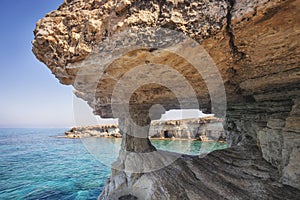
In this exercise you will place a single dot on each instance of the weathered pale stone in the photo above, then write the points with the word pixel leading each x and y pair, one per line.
pixel 235 173
pixel 291 172
pixel 271 143
pixel 276 123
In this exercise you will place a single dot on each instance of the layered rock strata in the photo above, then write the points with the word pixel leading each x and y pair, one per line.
pixel 236 173
pixel 254 45
pixel 210 127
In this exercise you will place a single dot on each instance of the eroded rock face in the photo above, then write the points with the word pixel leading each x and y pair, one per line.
pixel 254 45
pixel 236 173
pixel 210 127
pixel 69 34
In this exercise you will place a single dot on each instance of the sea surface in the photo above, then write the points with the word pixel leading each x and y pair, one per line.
pixel 35 164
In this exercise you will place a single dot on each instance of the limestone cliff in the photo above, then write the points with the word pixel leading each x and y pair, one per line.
pixel 255 47
pixel 210 127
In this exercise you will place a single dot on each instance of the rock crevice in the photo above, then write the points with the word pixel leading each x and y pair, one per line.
pixel 229 30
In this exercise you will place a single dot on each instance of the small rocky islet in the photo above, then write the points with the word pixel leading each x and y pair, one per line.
pixel 109 130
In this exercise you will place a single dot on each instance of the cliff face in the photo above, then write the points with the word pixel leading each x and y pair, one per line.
pixel 253 45
pixel 209 127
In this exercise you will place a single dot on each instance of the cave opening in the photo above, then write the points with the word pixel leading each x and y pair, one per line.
pixel 166 134
pixel 188 131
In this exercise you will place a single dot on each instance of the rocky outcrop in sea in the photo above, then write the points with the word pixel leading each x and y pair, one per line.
pixel 94 131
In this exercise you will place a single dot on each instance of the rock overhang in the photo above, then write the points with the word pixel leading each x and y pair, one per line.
pixel 254 45
pixel 66 37
pixel 174 75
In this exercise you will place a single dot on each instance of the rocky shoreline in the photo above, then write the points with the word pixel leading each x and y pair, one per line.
pixel 204 129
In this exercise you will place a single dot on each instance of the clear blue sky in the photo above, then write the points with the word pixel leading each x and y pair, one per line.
pixel 30 94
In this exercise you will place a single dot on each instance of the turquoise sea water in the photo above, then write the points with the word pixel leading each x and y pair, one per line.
pixel 34 165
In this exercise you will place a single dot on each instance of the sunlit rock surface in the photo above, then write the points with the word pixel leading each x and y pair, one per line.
pixel 109 130
pixel 255 46
pixel 210 127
